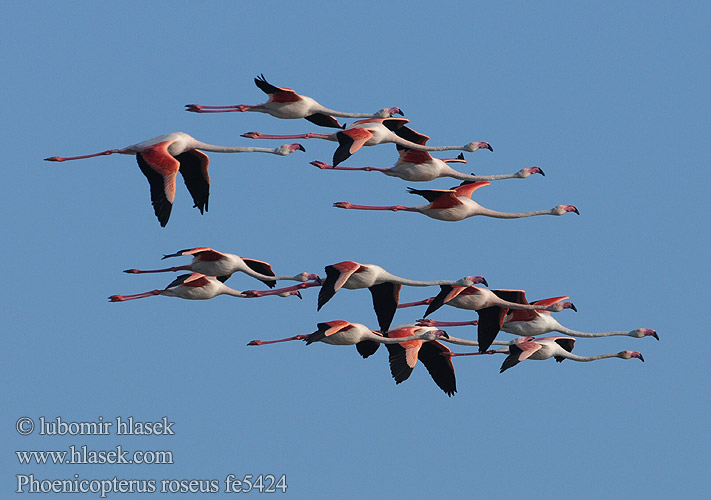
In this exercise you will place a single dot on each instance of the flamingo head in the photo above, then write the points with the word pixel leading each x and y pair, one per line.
pixel 630 355
pixel 564 209
pixel 287 149
pixel 473 146
pixel 388 112
pixel 559 306
pixel 527 172
pixel 644 332
pixel 434 334
pixel 473 280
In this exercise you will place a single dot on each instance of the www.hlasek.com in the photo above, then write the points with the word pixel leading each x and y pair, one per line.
pixel 263 483
pixel 83 456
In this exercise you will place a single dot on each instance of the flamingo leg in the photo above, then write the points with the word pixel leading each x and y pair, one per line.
pixel 66 158
pixel 122 298
pixel 394 208
pixel 418 303
pixel 168 269
pixel 262 342
pixel 280 291
pixel 326 166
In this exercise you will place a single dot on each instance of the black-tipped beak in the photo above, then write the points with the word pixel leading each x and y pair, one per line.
pixel 572 306
pixel 302 148
pixel 483 280
pixel 655 335
pixel 399 112
pixel 577 211
pixel 490 148
pixel 298 294
pixel 641 358
pixel 540 170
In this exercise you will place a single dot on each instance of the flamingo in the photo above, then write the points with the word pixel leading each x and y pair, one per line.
pixel 367 341
pixel 455 204
pixel 433 354
pixel 491 305
pixel 559 348
pixel 530 323
pixel 369 132
pixel 419 166
pixel 162 157
pixel 383 286
pixel 213 263
pixel 287 104
pixel 192 286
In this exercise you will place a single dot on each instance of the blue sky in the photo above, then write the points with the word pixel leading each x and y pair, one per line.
pixel 610 99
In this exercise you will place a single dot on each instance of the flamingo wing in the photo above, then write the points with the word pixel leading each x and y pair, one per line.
pixel 335 278
pixel 566 343
pixel 403 357
pixel 438 198
pixel 276 94
pixel 160 168
pixel 326 329
pixel 350 141
pixel 467 188
pixel 519 352
pixel 192 280
pixel 385 300
pixel 549 302
pixel 439 365
pixel 323 120
pixel 200 253
pixel 367 348
pixel 490 321
pixel 193 167
pixel 447 293
pixel 392 123
pixel 410 135
pixel 261 267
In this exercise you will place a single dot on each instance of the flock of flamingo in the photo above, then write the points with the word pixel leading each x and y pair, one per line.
pixel 161 158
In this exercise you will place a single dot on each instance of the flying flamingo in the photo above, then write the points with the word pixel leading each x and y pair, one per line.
pixel 434 355
pixel 369 133
pixel 213 263
pixel 419 166
pixel 559 348
pixel 491 305
pixel 366 340
pixel 539 326
pixel 456 204
pixel 383 286
pixel 285 103
pixel 193 286
pixel 161 158
pixel 530 323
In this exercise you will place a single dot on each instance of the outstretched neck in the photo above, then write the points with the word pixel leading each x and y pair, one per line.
pixel 584 359
pixel 233 149
pixel 575 333
pixel 512 215
pixel 234 293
